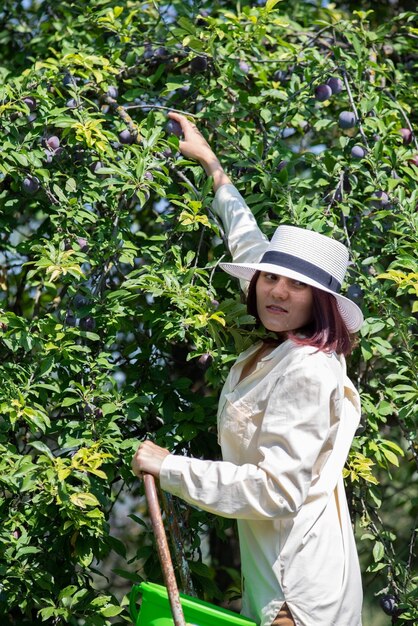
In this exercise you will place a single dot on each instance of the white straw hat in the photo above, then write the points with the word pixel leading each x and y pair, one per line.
pixel 305 255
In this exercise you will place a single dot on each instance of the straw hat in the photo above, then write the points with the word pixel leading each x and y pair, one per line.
pixel 307 256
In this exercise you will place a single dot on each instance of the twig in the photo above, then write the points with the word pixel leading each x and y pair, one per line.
pixel 182 177
pixel 411 547
pixel 199 246
pixel 353 106
pixel 318 34
pixel 340 188
pixel 120 110
pixel 51 196
pixel 158 106
pixel 410 441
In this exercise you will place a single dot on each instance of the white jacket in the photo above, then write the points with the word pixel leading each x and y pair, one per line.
pixel 285 432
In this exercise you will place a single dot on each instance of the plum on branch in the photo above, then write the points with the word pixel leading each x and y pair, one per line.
pixel 347 119
pixel 125 137
pixel 30 103
pixel 380 199
pixel 112 92
pixel 30 184
pixel 323 92
pixel 198 64
pixel 53 142
pixel 406 135
pixel 388 604
pixel 358 152
pixel 335 84
pixel 173 128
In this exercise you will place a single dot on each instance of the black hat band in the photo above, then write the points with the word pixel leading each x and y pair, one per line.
pixel 302 267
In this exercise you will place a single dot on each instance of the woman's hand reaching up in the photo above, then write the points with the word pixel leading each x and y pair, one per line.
pixel 194 146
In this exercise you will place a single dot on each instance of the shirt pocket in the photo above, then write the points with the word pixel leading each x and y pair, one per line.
pixel 239 426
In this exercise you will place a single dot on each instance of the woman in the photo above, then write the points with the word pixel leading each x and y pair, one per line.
pixel 287 417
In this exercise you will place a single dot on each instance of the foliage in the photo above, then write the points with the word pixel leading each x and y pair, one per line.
pixel 116 323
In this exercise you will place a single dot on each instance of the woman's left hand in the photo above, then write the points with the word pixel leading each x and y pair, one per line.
pixel 148 459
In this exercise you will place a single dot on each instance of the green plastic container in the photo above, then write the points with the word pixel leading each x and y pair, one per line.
pixel 155 609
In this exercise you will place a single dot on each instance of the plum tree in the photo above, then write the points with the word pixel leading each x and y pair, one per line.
pixel 406 135
pixel 68 80
pixel 95 166
pixel 244 67
pixel 87 323
pixel 83 244
pixel 70 319
pixel 115 321
pixel 113 92
pixel 380 199
pixel 355 292
pixel 205 360
pixel 280 75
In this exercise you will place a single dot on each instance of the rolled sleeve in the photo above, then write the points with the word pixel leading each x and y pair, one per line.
pixel 246 242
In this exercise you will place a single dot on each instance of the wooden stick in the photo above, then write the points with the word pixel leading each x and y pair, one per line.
pixel 163 550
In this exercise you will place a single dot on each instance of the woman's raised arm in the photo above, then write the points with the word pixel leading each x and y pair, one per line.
pixel 194 146
pixel 245 240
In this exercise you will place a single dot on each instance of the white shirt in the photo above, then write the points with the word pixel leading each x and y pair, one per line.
pixel 285 432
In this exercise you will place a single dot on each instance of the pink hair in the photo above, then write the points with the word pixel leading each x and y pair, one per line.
pixel 327 331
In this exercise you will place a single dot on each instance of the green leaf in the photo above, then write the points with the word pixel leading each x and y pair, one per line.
pixel 21 159
pixel 378 551
pixel 42 447
pixel 70 185
pixel 266 115
pixel 83 500
pixel 186 24
pixel 69 401
pixel 270 4
pixel 390 456
pixel 357 45
pixel 109 407
pixel 174 85
pixel 111 611
pixel 245 142
pixel 132 576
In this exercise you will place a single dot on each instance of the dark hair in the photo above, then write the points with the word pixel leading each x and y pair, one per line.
pixel 327 330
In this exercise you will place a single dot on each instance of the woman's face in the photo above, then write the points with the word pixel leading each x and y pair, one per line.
pixel 283 304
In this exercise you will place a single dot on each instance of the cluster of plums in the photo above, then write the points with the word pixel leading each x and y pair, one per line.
pixel 323 91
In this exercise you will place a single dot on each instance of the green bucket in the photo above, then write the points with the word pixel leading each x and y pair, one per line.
pixel 155 609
